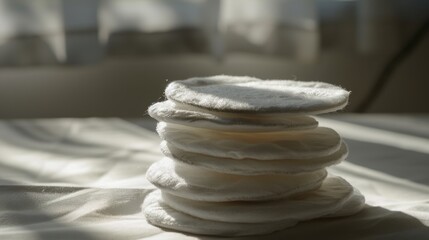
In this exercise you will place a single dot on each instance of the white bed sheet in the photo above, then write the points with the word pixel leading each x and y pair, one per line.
pixel 84 179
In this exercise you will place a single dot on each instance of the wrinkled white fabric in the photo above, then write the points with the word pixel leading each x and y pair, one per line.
pixel 196 183
pixel 84 179
pixel 246 94
pixel 313 143
pixel 252 166
pixel 171 112
pixel 73 152
pixel 328 199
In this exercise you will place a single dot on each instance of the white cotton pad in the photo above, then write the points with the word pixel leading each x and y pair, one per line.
pixel 355 204
pixel 247 94
pixel 160 213
pixel 313 143
pixel 171 112
pixel 200 184
pixel 329 198
pixel 252 166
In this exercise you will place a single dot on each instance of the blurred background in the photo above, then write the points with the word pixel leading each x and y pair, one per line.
pixel 105 58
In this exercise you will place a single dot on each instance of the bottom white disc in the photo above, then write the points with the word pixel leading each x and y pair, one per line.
pixel 335 198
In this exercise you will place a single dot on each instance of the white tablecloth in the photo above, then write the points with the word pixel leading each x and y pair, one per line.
pixel 84 179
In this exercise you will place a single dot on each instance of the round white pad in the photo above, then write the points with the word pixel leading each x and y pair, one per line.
pixel 252 166
pixel 200 184
pixel 247 94
pixel 171 112
pixel 332 194
pixel 313 143
pixel 159 213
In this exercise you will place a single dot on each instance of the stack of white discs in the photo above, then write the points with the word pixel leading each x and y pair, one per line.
pixel 243 157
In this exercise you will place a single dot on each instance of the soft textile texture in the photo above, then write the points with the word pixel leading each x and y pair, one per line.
pixel 253 166
pixel 331 196
pixel 200 184
pixel 313 143
pixel 247 94
pixel 171 112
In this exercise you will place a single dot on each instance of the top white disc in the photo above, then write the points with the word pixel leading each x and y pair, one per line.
pixel 246 94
